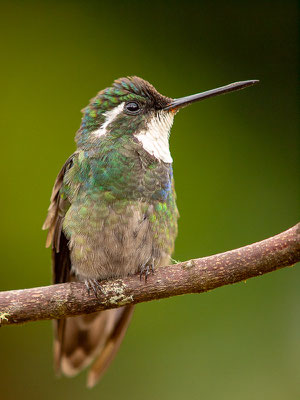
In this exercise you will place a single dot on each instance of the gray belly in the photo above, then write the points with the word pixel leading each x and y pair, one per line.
pixel 114 241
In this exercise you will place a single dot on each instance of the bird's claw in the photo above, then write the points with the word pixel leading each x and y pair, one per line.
pixel 93 285
pixel 146 269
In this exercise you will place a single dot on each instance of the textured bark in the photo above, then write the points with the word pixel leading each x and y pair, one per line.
pixel 193 276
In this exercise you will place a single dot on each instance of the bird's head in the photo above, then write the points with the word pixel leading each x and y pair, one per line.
pixel 133 107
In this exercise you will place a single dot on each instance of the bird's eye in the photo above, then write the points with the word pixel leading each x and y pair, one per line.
pixel 132 107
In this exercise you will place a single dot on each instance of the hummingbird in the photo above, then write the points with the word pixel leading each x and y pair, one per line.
pixel 113 211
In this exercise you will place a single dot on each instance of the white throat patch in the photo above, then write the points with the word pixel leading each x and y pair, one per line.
pixel 109 117
pixel 155 138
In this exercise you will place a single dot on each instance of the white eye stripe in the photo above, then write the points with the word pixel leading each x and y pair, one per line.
pixel 109 117
pixel 155 138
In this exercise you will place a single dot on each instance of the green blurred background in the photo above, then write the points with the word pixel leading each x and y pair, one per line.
pixel 237 180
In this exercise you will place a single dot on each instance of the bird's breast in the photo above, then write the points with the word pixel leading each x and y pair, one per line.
pixel 115 238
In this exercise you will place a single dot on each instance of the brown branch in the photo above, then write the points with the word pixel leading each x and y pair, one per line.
pixel 193 276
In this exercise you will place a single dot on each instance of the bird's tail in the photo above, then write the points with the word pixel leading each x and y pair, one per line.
pixel 92 338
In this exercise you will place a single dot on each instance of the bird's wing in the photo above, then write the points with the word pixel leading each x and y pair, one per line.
pixel 61 263
pixel 56 212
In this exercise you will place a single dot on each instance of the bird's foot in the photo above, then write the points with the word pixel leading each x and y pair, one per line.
pixel 94 286
pixel 146 269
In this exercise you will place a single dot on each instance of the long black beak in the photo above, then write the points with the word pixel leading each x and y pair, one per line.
pixel 185 101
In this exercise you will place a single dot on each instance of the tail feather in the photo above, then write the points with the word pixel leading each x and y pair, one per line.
pixel 111 346
pixel 90 337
